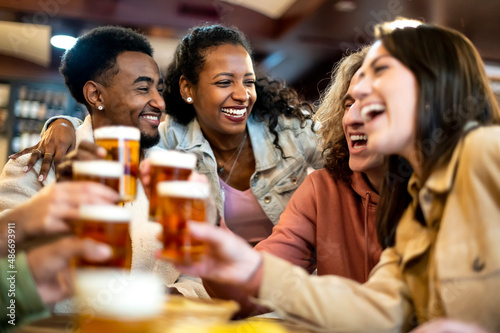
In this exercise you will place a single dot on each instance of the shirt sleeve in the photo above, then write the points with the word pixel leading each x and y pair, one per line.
pixel 16 186
pixel 19 292
pixel 334 304
pixel 294 237
pixel 76 122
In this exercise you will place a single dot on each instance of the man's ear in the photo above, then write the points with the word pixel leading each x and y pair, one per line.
pixel 93 95
pixel 186 88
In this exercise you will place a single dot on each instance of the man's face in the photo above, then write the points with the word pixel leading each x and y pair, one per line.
pixel 134 96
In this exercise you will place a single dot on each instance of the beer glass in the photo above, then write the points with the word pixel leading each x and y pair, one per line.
pixel 107 173
pixel 111 301
pixel 122 145
pixel 106 224
pixel 180 202
pixel 167 165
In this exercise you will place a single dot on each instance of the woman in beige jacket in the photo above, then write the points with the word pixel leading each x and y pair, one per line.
pixel 428 106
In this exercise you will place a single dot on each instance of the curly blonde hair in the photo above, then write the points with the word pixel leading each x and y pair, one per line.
pixel 330 113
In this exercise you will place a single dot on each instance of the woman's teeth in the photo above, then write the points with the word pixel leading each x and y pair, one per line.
pixel 234 112
pixel 358 141
pixel 358 137
pixel 371 111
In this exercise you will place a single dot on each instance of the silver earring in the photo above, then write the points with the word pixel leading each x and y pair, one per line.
pixel 100 107
pixel 189 99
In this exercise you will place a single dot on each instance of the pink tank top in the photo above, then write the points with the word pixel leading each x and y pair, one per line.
pixel 244 216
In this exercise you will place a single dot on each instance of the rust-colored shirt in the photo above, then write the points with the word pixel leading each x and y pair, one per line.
pixel 329 225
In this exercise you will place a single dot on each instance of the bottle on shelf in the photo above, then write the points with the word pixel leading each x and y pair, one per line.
pixel 26 104
pixel 20 102
pixel 42 108
pixel 34 105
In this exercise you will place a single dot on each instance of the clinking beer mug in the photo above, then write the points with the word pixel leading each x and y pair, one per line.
pixel 108 173
pixel 180 202
pixel 167 165
pixel 122 144
pixel 106 224
pixel 113 301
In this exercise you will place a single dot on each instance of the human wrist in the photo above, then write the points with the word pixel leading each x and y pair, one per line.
pixel 26 224
pixel 252 283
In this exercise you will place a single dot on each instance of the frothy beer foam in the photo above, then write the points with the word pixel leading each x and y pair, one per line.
pixel 108 213
pixel 173 158
pixel 108 169
pixel 120 294
pixel 117 132
pixel 183 189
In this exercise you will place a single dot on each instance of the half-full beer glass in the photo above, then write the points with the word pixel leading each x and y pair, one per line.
pixel 180 202
pixel 106 224
pixel 122 145
pixel 109 301
pixel 167 165
pixel 107 173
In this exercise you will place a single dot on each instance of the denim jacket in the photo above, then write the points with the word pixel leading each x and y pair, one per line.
pixel 275 179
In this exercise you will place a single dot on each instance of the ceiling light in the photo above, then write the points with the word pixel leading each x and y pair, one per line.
pixel 273 9
pixel 345 6
pixel 63 41
pixel 403 23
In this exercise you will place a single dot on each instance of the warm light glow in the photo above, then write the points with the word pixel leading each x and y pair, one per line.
pixel 345 6
pixel 403 23
pixel 63 41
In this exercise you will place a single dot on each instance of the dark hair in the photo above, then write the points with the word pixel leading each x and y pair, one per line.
pixel 330 113
pixel 93 57
pixel 452 89
pixel 273 97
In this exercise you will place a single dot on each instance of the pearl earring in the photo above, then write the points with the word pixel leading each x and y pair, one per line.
pixel 189 99
pixel 100 107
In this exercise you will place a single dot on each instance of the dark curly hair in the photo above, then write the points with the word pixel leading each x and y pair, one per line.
pixel 274 98
pixel 330 113
pixel 93 57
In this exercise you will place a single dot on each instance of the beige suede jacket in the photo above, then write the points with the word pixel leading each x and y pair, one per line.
pixel 449 267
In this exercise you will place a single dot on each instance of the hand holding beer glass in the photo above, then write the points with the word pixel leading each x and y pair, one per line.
pixel 122 145
pixel 180 202
pixel 167 165
pixel 106 224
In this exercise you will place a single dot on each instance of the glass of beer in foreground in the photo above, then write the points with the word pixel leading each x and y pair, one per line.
pixel 122 145
pixel 110 301
pixel 167 165
pixel 107 173
pixel 180 202
pixel 106 224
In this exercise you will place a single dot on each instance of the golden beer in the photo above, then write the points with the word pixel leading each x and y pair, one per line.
pixel 180 202
pixel 106 224
pixel 110 301
pixel 122 145
pixel 107 173
pixel 167 165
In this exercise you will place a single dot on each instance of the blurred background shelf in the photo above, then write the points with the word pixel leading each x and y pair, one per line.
pixel 24 108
